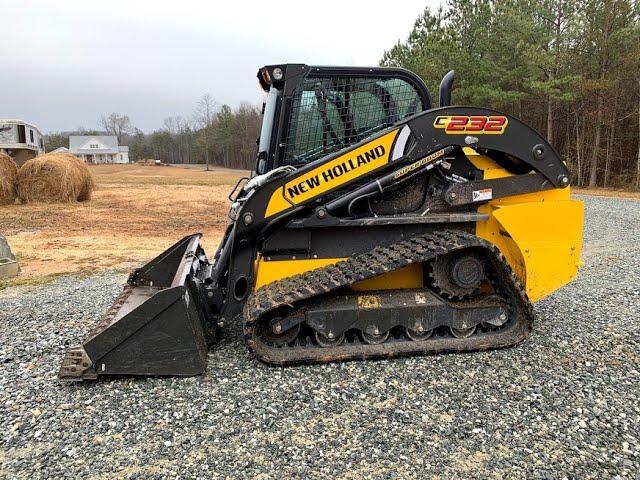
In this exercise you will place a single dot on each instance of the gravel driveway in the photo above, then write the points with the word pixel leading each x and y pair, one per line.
pixel 562 404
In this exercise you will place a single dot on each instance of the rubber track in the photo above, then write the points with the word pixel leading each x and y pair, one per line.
pixel 293 291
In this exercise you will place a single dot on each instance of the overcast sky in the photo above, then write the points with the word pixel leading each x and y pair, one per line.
pixel 69 61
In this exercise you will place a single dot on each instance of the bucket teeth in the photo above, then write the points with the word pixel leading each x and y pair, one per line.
pixel 76 364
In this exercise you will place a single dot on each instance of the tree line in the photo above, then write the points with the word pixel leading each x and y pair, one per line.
pixel 569 68
pixel 213 135
pixel 223 136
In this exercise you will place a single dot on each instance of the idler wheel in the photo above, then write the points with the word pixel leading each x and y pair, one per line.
pixel 274 334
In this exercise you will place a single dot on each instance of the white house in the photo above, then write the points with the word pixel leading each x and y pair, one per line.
pixel 98 149
pixel 20 139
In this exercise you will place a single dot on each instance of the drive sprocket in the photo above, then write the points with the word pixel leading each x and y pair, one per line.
pixel 455 276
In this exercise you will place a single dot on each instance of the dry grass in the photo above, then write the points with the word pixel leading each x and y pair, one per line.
pixel 136 212
pixel 174 175
pixel 54 177
pixel 8 179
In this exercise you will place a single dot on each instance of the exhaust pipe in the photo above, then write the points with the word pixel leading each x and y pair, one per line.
pixel 446 85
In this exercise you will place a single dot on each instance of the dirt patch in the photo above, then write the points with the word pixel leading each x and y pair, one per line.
pixel 136 212
pixel 606 192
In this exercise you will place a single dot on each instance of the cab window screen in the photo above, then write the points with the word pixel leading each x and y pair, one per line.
pixel 329 114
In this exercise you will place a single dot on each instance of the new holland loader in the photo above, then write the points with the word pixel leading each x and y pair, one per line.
pixel 376 225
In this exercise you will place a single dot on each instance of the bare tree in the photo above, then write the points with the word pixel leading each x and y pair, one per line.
pixel 116 124
pixel 175 125
pixel 205 111
pixel 180 131
pixel 204 117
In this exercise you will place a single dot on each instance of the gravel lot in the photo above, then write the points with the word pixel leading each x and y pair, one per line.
pixel 562 404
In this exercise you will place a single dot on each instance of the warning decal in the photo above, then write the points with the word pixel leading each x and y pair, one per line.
pixel 482 195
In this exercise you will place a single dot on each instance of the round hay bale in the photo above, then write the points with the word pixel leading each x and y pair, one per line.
pixel 8 179
pixel 88 185
pixel 54 177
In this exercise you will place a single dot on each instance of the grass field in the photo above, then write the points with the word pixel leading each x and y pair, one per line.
pixel 136 212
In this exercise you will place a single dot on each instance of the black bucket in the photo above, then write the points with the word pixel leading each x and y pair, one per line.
pixel 155 327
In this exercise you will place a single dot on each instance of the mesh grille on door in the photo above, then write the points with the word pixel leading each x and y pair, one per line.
pixel 331 113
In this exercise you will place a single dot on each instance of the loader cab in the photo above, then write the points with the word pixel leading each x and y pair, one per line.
pixel 310 111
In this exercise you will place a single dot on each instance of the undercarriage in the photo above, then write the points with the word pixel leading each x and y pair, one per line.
pixel 314 318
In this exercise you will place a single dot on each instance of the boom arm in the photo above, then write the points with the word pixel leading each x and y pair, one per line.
pixel 491 130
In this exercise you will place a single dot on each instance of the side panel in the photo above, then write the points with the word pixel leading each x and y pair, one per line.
pixel 410 276
pixel 540 234
pixel 271 271
pixel 268 208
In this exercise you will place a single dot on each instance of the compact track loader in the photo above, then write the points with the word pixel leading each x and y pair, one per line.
pixel 375 226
